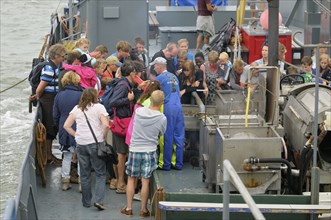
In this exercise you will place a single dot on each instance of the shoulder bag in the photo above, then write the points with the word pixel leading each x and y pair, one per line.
pixel 104 151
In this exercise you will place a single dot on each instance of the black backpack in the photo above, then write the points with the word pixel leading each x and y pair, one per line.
pixel 34 76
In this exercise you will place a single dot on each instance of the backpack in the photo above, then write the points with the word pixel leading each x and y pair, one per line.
pixel 35 74
pixel 106 97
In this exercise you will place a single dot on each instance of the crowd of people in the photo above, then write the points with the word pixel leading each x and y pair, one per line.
pixel 150 93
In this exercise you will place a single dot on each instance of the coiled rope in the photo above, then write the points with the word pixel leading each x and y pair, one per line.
pixel 65 25
pixel 41 151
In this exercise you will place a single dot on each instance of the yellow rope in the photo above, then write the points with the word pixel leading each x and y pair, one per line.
pixel 247 105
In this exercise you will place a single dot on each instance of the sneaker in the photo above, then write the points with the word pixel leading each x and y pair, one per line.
pixel 144 214
pixel 99 206
pixel 126 212
pixel 137 197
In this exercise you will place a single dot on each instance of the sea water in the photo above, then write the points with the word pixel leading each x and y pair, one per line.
pixel 24 24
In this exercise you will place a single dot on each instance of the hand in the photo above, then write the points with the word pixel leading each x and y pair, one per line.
pixel 33 97
pixel 205 91
pixel 143 84
pixel 182 92
pixel 196 84
pixel 130 96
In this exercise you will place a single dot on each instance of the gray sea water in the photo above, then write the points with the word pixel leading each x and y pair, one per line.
pixel 24 23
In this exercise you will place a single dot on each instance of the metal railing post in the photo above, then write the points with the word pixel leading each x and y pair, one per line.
pixel 230 172
pixel 226 194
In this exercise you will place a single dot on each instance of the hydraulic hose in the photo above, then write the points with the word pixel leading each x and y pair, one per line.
pixel 254 160
pixel 306 156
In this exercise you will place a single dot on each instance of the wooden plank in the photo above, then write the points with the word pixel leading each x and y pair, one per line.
pixel 153 20
pixel 236 207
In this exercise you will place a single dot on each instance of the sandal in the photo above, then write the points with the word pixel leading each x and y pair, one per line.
pixel 112 184
pixel 121 190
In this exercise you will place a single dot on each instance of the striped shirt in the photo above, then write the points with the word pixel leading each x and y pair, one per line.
pixel 47 75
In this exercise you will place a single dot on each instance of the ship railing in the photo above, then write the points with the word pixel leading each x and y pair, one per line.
pixel 229 173
pixel 24 205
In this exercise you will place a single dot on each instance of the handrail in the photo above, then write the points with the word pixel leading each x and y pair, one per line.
pixel 323 7
pixel 228 174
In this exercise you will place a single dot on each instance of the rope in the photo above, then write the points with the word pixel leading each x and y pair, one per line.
pixel 41 150
pixel 159 191
pixel 65 26
pixel 10 87
pixel 58 6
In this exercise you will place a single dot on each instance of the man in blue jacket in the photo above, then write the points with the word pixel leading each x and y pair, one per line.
pixel 171 150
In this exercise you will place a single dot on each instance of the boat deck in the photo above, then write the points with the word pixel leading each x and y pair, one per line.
pixel 53 203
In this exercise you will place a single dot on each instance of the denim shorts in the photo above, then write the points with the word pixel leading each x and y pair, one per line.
pixel 141 164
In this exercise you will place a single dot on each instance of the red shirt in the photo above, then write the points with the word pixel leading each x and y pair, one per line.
pixel 107 74
pixel 202 8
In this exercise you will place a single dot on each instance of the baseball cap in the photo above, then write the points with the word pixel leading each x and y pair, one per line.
pixel 159 60
pixel 112 60
pixel 85 58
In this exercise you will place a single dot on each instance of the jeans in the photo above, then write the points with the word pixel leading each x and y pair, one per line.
pixel 66 165
pixel 87 158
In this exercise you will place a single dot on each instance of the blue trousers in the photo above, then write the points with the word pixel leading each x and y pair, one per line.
pixel 171 150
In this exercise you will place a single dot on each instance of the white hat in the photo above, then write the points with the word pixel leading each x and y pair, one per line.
pixel 159 60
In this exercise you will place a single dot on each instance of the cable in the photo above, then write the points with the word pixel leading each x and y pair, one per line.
pixel 10 87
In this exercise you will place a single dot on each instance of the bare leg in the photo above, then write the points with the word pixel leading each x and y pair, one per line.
pixel 199 41
pixel 144 194
pixel 120 170
pixel 206 40
pixel 130 192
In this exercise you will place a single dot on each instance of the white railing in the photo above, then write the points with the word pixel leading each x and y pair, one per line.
pixel 229 174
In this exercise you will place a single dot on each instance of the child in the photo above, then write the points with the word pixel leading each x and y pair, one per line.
pixel 306 68
pixel 149 124
pixel 84 69
pixel 140 47
pixel 224 59
pixel 82 45
pixel 325 69
pixel 99 66
pixel 123 50
pixel 225 64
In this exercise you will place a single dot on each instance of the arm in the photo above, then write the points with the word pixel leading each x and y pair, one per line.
pixel 69 67
pixel 105 125
pixel 41 87
pixel 233 84
pixel 68 125
pixel 56 112
pixel 211 7
pixel 163 125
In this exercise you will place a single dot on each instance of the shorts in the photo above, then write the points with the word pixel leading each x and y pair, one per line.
pixel 203 33
pixel 141 164
pixel 120 145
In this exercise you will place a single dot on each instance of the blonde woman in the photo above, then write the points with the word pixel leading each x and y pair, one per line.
pixel 64 102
